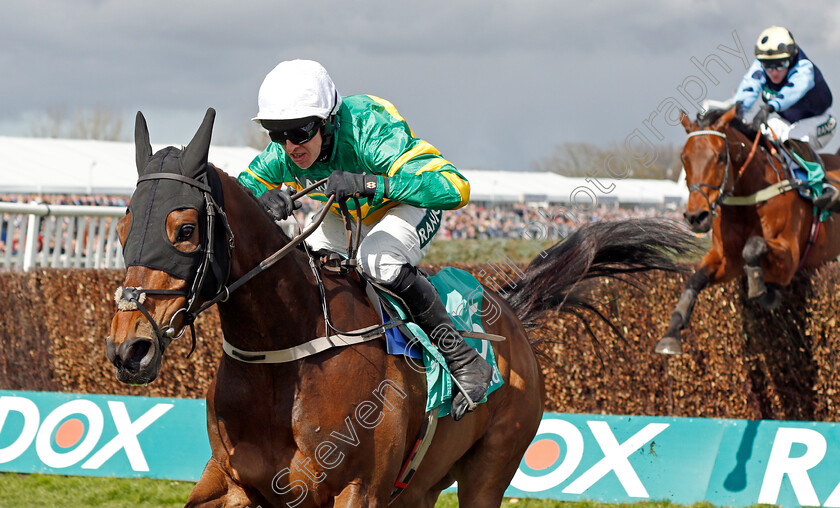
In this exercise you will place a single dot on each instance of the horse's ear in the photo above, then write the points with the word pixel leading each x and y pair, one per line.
pixel 725 118
pixel 143 149
pixel 194 156
pixel 687 123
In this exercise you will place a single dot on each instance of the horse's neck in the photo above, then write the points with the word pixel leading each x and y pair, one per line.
pixel 758 173
pixel 280 306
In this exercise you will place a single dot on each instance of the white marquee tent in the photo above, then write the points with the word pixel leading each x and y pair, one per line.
pixel 70 166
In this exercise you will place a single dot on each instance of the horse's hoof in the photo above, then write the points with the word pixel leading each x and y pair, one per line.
pixel 755 282
pixel 669 346
pixel 756 296
pixel 770 300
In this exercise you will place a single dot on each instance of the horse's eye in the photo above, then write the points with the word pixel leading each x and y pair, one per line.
pixel 722 158
pixel 185 232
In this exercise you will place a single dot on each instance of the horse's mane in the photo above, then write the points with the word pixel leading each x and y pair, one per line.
pixel 248 193
pixel 709 117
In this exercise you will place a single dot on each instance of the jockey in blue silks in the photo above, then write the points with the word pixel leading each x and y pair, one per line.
pixel 795 105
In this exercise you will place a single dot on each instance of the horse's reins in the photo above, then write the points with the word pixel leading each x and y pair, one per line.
pixel 134 296
pixel 725 197
pixel 278 255
pixel 131 298
pixel 750 156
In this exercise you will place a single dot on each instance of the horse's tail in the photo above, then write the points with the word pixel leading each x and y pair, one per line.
pixel 601 249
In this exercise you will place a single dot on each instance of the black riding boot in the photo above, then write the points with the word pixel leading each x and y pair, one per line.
pixel 467 367
pixel 829 199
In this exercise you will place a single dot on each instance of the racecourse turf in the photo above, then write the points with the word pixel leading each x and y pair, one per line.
pixel 53 491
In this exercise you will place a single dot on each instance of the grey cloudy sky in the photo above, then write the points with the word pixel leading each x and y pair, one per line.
pixel 494 84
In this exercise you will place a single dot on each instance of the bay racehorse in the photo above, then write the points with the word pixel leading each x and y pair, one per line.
pixel 760 224
pixel 333 428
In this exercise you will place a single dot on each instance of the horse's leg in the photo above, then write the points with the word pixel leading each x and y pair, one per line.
pixel 772 298
pixel 484 486
pixel 753 254
pixel 486 471
pixel 779 266
pixel 671 342
pixel 356 496
pixel 352 496
pixel 216 488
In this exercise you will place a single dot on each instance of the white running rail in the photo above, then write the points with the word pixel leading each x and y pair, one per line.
pixel 37 235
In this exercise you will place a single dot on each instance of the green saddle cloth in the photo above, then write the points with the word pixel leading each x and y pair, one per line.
pixel 816 176
pixel 462 295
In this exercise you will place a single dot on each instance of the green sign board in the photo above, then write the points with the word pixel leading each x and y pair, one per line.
pixel 682 460
pixel 573 456
pixel 102 435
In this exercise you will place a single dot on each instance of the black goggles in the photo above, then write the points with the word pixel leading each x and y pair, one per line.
pixel 298 135
pixel 772 65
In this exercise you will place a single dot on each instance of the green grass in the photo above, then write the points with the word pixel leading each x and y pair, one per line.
pixel 451 501
pixel 35 490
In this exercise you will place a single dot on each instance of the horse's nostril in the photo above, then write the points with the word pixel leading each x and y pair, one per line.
pixel 138 351
pixel 696 218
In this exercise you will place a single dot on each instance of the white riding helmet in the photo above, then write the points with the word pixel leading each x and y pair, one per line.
pixel 775 43
pixel 297 89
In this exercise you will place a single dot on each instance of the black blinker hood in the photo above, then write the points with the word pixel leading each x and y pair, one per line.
pixel 147 243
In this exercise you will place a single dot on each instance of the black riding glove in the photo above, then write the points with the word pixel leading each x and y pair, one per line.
pixel 347 185
pixel 278 203
pixel 761 116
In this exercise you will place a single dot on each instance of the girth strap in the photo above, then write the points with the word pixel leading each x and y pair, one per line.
pixel 309 348
pixel 762 195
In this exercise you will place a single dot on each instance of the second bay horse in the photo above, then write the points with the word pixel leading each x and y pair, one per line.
pixel 760 224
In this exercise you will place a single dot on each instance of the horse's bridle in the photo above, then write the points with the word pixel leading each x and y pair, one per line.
pixel 722 192
pixel 131 298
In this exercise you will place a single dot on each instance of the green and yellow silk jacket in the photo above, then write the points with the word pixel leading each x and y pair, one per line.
pixel 370 137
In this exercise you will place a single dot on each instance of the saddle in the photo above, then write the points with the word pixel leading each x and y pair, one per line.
pixel 808 174
pixel 461 294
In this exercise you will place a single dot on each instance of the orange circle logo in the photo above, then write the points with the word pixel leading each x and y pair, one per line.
pixel 69 433
pixel 542 454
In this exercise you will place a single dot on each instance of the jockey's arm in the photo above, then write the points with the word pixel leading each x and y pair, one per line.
pixel 428 182
pixel 417 173
pixel 266 171
pixel 750 87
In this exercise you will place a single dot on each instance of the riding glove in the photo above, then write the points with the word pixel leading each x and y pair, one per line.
pixel 347 185
pixel 278 202
pixel 761 116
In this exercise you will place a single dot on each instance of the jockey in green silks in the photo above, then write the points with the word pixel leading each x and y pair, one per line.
pixel 366 150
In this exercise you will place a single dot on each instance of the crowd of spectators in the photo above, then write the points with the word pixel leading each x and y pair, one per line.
pixel 517 220
pixel 478 220
pixel 67 199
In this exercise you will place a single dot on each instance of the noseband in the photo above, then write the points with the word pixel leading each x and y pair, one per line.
pixel 132 298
